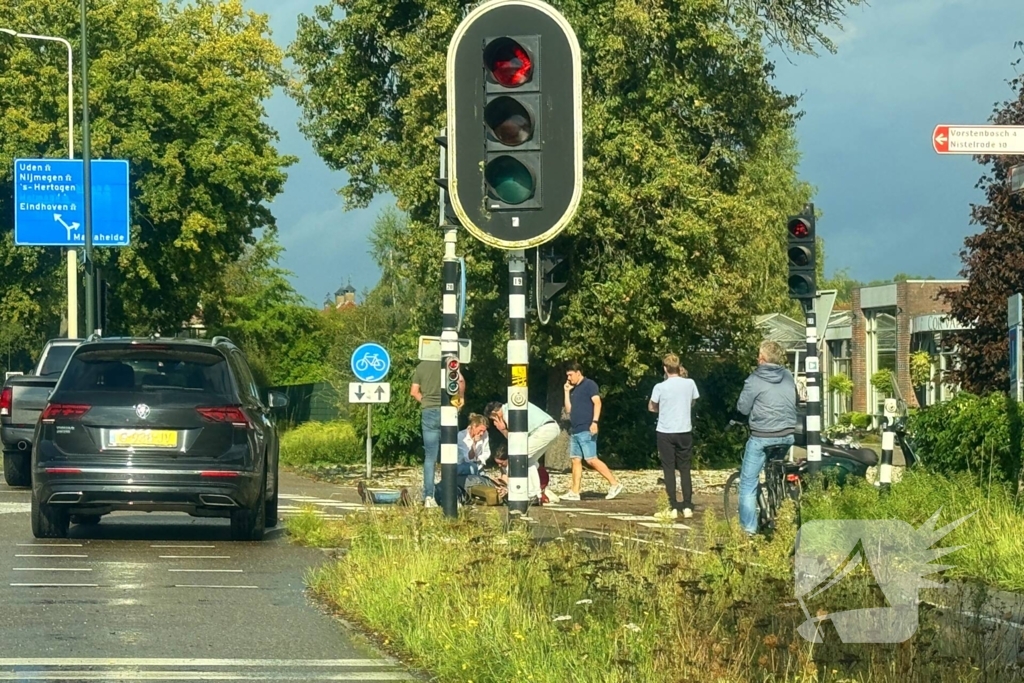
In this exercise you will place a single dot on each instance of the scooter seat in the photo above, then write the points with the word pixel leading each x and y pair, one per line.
pixel 864 456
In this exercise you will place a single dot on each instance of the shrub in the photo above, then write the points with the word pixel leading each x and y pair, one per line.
pixel 332 443
pixel 968 433
pixel 855 420
pixel 920 369
pixel 840 384
pixel 883 381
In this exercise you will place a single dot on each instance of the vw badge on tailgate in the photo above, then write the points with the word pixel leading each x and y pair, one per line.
pixel 142 410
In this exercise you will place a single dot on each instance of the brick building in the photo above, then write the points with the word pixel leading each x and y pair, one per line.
pixel 880 330
pixel 888 323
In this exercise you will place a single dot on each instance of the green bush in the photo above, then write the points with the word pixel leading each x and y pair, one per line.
pixel 968 433
pixel 331 443
pixel 884 381
pixel 855 420
pixel 840 384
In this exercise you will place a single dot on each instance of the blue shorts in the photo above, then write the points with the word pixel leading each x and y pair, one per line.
pixel 583 445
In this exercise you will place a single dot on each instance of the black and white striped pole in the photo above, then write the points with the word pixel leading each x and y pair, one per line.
pixel 812 421
pixel 518 393
pixel 888 444
pixel 450 370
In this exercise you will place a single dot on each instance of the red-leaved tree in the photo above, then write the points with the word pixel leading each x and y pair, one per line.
pixel 993 264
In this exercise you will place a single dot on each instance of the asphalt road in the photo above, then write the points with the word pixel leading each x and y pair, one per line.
pixel 167 597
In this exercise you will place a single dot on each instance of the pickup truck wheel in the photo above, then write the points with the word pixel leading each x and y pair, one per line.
pixel 248 524
pixel 48 521
pixel 17 468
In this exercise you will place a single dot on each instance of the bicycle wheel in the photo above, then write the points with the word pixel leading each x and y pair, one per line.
pixel 362 364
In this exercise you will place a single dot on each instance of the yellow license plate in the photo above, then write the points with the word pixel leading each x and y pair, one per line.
pixel 155 438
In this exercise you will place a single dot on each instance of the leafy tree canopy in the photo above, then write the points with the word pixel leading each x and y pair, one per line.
pixel 177 90
pixel 993 263
pixel 689 164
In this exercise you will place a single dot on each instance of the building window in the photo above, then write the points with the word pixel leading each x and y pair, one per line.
pixel 880 333
pixel 839 364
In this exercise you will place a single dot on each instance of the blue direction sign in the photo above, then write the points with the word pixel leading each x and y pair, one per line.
pixel 49 203
pixel 370 363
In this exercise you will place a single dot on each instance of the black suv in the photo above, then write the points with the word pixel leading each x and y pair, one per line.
pixel 156 425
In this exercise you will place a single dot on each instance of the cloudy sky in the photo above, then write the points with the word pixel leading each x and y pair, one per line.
pixel 889 202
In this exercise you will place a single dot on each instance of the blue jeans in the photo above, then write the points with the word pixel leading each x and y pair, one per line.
pixel 430 423
pixel 583 445
pixel 750 472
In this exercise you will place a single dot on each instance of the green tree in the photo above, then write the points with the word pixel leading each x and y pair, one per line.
pixel 689 163
pixel 177 90
pixel 256 306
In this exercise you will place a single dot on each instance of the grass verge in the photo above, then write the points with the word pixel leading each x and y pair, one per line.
pixel 992 539
pixel 472 602
pixel 321 443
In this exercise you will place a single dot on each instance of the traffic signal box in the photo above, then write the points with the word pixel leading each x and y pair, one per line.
pixel 515 150
pixel 801 255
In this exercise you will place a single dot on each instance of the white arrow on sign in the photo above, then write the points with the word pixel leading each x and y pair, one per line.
pixel 369 392
pixel 69 228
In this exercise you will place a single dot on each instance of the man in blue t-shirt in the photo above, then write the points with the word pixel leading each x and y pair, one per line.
pixel 583 403
pixel 672 400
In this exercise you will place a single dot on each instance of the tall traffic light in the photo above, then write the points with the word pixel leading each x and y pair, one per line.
pixel 515 123
pixel 801 255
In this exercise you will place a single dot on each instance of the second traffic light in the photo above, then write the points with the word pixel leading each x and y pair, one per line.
pixel 451 377
pixel 515 143
pixel 801 255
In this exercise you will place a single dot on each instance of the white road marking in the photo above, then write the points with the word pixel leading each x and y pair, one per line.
pixel 195 557
pixel 12 508
pixel 223 571
pixel 195 585
pixel 170 661
pixel 51 556
pixel 182 546
pixel 136 675
pixel 562 509
pixel 634 518
pixel 56 585
pixel 49 545
pixel 658 525
pixel 51 569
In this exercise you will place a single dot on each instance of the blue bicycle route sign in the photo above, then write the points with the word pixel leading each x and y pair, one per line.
pixel 370 363
pixel 49 203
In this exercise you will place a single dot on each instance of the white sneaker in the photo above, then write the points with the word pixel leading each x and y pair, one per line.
pixel 687 513
pixel 667 514
pixel 552 498
pixel 614 491
pixel 570 495
pixel 430 503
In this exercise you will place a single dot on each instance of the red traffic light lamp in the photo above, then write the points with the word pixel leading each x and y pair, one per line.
pixel 801 255
pixel 451 364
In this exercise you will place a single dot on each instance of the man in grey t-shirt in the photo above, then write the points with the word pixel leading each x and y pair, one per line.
pixel 673 400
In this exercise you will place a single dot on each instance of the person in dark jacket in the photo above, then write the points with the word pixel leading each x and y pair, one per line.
pixel 769 400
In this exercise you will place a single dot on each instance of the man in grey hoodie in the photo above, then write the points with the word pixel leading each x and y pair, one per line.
pixel 769 399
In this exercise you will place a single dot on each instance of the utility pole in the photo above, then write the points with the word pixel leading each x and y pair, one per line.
pixel 90 280
pixel 803 287
pixel 518 356
pixel 450 367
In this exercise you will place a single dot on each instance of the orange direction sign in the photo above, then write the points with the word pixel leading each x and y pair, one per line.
pixel 981 140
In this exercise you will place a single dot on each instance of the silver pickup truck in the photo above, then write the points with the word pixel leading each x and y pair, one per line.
pixel 22 400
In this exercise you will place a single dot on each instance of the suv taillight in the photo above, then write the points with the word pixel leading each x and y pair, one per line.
pixel 5 401
pixel 71 411
pixel 232 414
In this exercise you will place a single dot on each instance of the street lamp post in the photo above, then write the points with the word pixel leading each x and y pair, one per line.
pixel 72 254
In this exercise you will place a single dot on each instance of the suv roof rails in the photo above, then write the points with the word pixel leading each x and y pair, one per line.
pixel 219 338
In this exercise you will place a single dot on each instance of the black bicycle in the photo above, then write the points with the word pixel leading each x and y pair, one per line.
pixel 781 481
pixel 784 477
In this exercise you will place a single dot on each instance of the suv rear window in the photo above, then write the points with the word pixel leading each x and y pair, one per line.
pixel 149 368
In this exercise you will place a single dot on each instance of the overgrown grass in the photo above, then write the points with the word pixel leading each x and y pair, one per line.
pixel 472 602
pixel 321 443
pixel 993 538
